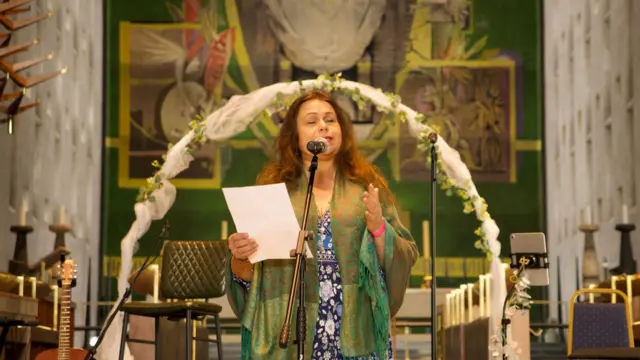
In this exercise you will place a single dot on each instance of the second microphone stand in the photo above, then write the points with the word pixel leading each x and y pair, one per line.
pixel 298 274
pixel 433 138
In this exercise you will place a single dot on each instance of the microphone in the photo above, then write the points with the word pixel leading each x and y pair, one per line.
pixel 318 146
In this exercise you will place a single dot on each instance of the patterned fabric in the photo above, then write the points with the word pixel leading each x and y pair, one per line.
pixel 600 326
pixel 368 302
pixel 246 285
pixel 326 343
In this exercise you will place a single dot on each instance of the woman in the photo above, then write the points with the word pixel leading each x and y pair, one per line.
pixel 362 256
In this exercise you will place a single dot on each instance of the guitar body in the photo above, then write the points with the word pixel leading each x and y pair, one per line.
pixel 71 354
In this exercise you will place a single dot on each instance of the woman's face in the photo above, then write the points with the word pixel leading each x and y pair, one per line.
pixel 318 119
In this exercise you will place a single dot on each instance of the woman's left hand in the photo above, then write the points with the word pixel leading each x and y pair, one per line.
pixel 373 212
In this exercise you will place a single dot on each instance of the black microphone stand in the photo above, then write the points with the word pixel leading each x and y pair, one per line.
pixel 433 138
pixel 127 293
pixel 298 273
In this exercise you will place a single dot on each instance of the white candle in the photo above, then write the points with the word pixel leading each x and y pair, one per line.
pixel 43 271
pixel 447 308
pixel 470 301
pixel 591 299
pixel 587 216
pixel 487 278
pixel 156 281
pixel 481 295
pixel 504 274
pixel 33 286
pixel 461 301
pixel 225 229
pixel 625 214
pixel 425 240
pixel 62 215
pixel 20 285
pixel 23 212
pixel 456 307
pixel 55 306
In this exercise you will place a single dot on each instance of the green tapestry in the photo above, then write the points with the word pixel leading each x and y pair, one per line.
pixel 476 76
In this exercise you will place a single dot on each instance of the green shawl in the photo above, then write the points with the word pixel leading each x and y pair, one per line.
pixel 368 302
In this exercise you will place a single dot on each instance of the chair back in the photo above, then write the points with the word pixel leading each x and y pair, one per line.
pixel 600 324
pixel 193 269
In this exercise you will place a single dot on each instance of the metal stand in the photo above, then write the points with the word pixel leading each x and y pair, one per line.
pixel 433 138
pixel 298 274
pixel 127 293
pixel 505 321
pixel 520 262
pixel 6 324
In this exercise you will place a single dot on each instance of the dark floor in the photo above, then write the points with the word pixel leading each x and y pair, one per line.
pixel 418 345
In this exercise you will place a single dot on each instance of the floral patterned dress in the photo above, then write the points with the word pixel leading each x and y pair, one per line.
pixel 326 342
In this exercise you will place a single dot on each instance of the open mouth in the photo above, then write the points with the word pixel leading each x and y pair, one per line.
pixel 328 138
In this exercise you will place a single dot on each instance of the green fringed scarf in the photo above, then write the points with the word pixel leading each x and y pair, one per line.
pixel 369 277
pixel 369 303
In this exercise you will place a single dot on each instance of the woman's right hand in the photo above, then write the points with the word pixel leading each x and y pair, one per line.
pixel 242 246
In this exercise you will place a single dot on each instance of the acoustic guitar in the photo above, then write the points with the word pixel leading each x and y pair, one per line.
pixel 67 271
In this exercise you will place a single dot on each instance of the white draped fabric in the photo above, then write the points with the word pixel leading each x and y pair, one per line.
pixel 325 36
pixel 234 117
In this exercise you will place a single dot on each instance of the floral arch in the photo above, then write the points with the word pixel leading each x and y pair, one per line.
pixel 158 194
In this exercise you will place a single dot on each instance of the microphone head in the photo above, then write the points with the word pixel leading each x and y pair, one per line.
pixel 324 142
pixel 318 146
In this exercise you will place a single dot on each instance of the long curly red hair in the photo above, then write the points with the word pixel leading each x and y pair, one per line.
pixel 352 165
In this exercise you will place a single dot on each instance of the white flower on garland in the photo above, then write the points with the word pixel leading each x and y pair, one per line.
pixel 519 300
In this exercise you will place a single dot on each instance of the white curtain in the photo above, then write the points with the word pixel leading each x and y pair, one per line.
pixel 325 35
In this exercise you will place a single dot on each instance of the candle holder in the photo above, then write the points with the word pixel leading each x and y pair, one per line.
pixel 590 266
pixel 626 264
pixel 59 249
pixel 19 264
pixel 60 230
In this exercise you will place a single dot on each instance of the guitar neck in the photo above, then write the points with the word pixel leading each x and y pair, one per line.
pixel 64 330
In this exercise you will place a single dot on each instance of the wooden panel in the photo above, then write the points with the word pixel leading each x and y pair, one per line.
pixel 17 307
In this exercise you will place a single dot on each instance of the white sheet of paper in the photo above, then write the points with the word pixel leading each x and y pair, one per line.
pixel 266 214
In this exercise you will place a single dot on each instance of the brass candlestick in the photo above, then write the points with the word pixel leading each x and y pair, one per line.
pixel 590 265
